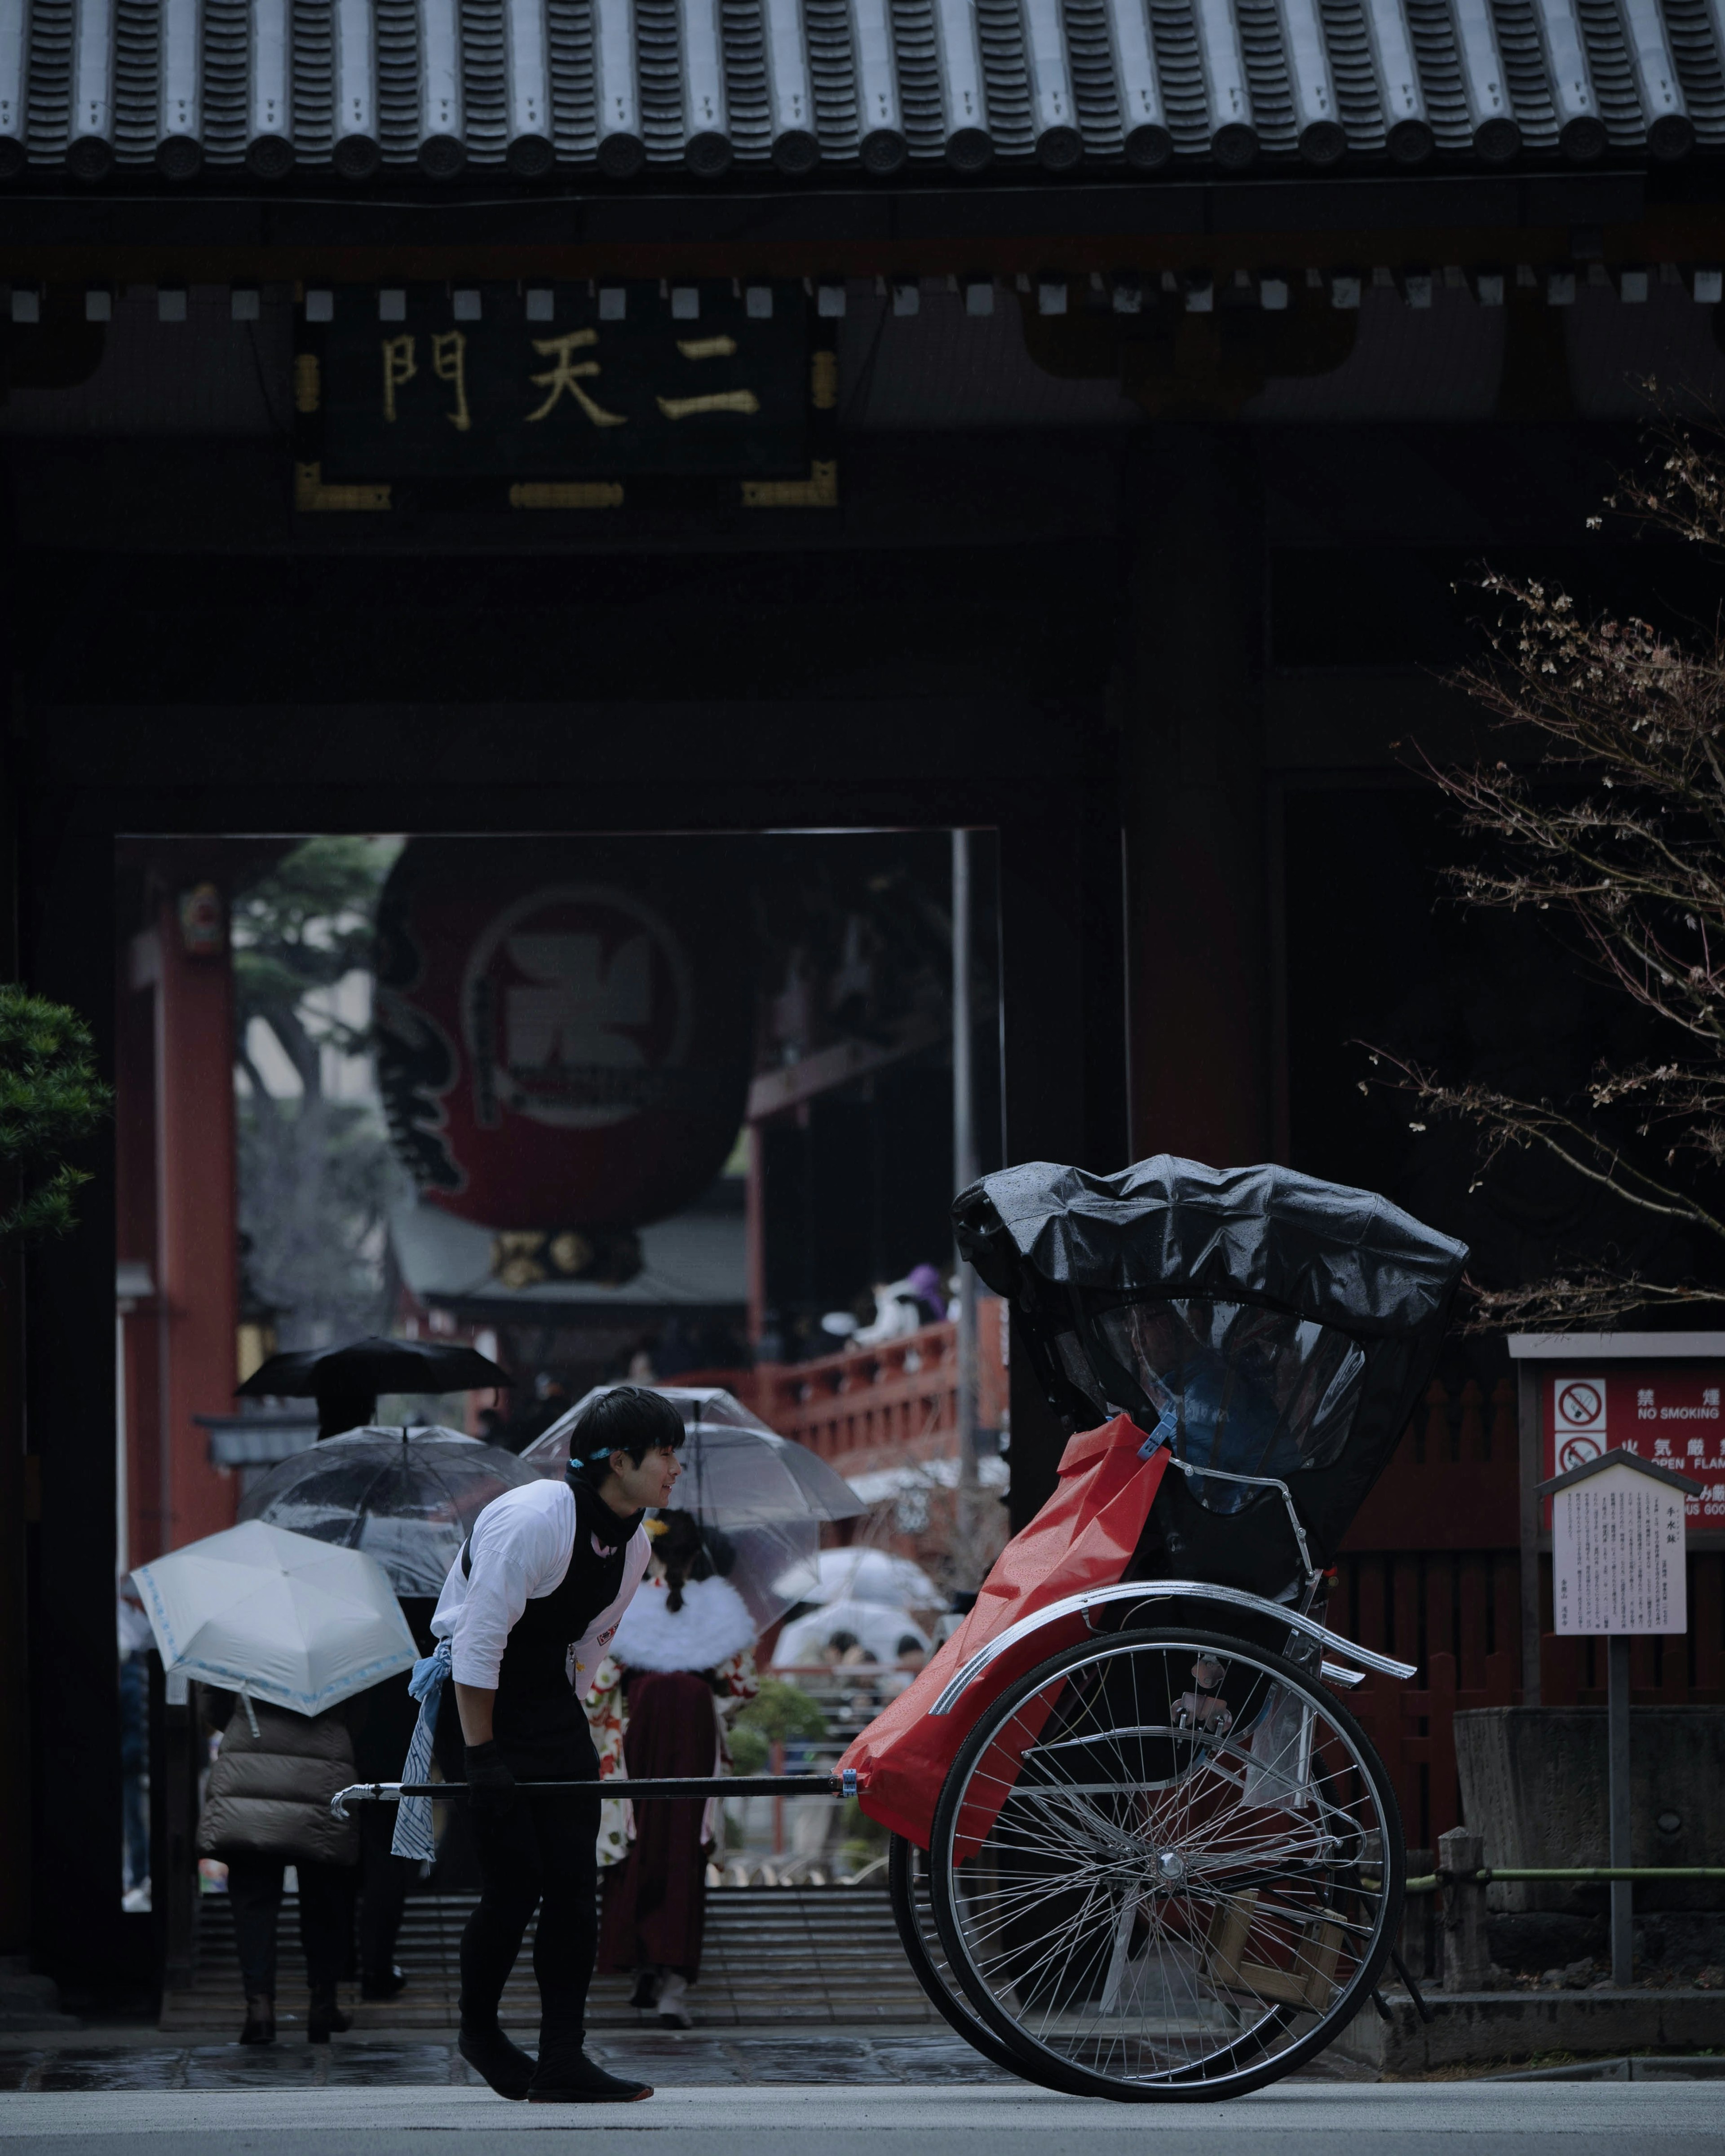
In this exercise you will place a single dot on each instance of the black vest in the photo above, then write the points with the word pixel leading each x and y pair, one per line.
pixel 535 1660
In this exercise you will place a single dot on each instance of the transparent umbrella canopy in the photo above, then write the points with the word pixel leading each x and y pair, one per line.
pixel 766 1494
pixel 407 1498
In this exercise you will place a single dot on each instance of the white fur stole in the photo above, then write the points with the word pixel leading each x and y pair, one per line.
pixel 712 1625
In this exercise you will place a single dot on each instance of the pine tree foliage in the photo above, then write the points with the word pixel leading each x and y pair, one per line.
pixel 51 1099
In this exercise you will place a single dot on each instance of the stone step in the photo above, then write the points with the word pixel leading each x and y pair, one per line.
pixel 796 1955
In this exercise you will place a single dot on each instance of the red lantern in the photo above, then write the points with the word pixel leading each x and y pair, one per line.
pixel 565 1026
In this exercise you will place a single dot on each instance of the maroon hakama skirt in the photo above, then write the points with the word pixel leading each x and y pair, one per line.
pixel 655 1899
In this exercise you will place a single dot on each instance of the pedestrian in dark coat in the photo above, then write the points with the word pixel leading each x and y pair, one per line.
pixel 267 1806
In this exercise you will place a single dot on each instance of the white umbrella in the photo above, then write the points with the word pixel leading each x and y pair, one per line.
pixel 276 1615
pixel 862 1574
pixel 876 1627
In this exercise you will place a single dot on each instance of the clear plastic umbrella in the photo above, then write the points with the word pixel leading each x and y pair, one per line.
pixel 862 1574
pixel 766 1494
pixel 408 1497
pixel 276 1615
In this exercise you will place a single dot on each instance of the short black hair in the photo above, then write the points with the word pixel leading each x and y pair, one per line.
pixel 630 1419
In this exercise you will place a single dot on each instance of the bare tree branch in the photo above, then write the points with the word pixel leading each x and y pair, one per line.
pixel 1618 835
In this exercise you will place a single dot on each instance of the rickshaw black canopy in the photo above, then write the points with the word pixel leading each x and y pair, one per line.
pixel 1275 1324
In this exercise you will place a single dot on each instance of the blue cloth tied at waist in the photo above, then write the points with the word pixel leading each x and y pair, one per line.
pixel 413 1836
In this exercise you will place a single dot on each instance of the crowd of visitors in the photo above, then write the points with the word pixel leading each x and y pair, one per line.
pixel 662 1661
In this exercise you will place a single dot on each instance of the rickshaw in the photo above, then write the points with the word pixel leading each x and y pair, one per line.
pixel 1165 1862
pixel 1140 1848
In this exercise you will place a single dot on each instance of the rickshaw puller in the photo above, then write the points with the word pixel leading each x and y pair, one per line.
pixel 528 1608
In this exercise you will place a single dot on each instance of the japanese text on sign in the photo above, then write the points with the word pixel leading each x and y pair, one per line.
pixel 1617 1555
pixel 511 398
pixel 1670 1417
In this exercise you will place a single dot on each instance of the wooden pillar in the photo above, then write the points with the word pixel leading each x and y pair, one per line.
pixel 1190 710
pixel 1529 1472
pixel 1062 1046
pixel 20 1491
pixel 197 1287
pixel 137 1344
pixel 78 1931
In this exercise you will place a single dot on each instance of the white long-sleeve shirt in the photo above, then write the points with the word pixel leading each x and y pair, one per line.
pixel 520 1550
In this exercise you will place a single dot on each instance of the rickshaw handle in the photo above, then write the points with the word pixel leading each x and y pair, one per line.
pixel 844 1783
pixel 1165 1591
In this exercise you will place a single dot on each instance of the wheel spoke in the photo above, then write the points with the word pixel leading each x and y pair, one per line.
pixel 1147 1904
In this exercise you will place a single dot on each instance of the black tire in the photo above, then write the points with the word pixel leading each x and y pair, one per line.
pixel 912 1913
pixel 1342 1867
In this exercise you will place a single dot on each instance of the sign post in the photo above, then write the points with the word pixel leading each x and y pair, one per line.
pixel 1660 1394
pixel 1618 1569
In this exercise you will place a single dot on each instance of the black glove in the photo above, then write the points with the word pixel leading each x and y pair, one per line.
pixel 490 1786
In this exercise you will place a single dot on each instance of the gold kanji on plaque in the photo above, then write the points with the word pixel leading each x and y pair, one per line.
pixel 565 376
pixel 449 362
pixel 399 367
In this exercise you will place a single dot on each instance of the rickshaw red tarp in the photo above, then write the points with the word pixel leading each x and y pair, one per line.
pixel 1082 1538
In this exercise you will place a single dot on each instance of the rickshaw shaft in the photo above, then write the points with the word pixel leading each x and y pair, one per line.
pixel 621 1786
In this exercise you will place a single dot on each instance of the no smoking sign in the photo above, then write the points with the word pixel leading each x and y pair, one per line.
pixel 1580 1421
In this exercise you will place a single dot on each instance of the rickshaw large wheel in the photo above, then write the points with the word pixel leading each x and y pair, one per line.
pixel 913 1910
pixel 1167 1865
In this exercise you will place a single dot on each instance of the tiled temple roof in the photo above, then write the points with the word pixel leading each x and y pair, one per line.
pixel 287 90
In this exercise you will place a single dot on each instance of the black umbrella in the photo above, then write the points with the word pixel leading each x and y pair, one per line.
pixel 345 1382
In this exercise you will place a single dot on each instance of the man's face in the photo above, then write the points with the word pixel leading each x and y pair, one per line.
pixel 629 1489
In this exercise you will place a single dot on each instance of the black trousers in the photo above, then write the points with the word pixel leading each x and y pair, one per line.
pixel 543 1853
pixel 383 1889
pixel 325 1918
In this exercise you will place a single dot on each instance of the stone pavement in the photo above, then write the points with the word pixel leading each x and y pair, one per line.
pixel 1295 2119
pixel 797 1955
pixel 142 2059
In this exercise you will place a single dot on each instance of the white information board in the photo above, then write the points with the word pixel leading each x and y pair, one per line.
pixel 1617 1555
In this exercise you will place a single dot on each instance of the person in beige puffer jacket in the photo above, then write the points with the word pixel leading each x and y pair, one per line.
pixel 267 1806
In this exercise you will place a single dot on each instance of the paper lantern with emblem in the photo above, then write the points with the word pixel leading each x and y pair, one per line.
pixel 565 1026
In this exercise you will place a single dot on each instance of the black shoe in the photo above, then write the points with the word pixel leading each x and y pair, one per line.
pixel 575 2079
pixel 646 1991
pixel 259 2020
pixel 384 1982
pixel 504 2066
pixel 325 2019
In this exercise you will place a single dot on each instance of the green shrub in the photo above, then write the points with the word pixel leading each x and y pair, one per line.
pixel 50 1097
pixel 778 1713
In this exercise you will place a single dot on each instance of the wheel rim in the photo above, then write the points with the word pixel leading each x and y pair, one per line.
pixel 1160 1866
pixel 913 1908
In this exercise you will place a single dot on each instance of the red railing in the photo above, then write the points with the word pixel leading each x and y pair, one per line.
pixel 893 1398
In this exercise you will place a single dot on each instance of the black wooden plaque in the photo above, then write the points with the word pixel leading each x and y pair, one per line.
pixel 724 393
